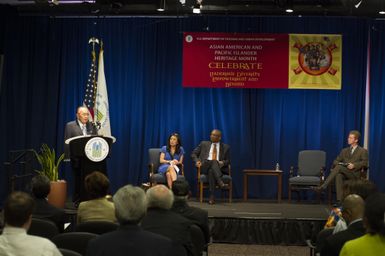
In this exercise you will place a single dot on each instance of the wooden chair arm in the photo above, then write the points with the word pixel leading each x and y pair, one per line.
pixel 322 174
pixel 291 172
pixel 150 169
pixel 198 172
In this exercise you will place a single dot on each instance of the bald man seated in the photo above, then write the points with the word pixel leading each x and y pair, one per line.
pixel 161 220
pixel 352 211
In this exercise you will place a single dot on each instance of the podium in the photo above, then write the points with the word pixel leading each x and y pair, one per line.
pixel 87 153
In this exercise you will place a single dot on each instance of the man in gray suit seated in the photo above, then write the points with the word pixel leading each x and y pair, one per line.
pixel 213 157
pixel 347 165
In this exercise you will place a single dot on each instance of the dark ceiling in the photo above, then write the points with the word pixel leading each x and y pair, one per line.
pixel 366 8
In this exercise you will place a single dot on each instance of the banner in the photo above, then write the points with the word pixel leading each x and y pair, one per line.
pixel 225 60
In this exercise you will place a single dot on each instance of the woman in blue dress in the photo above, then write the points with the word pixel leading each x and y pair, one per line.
pixel 170 157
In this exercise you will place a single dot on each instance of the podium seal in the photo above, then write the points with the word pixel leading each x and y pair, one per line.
pixel 96 149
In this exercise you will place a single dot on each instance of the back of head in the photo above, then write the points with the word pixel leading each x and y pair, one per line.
pixel 97 185
pixel 375 213
pixel 41 186
pixel 363 188
pixel 130 204
pixel 353 207
pixel 160 196
pixel 180 188
pixel 18 209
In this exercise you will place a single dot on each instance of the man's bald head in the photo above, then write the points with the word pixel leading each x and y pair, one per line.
pixel 353 208
pixel 160 196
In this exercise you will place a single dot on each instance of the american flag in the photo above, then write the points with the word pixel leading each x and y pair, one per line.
pixel 90 93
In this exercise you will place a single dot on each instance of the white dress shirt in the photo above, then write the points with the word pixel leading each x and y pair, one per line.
pixel 211 151
pixel 16 242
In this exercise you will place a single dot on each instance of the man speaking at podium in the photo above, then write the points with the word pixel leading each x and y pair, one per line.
pixel 80 127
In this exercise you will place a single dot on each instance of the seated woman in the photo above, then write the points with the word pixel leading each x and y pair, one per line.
pixel 170 157
pixel 373 243
pixel 98 208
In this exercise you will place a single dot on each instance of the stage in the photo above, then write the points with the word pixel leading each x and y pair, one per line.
pixel 264 222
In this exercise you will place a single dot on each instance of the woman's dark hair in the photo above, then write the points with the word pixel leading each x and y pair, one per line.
pixel 41 186
pixel 177 147
pixel 375 213
pixel 96 185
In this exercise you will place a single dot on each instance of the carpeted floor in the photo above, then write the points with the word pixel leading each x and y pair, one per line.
pixel 256 250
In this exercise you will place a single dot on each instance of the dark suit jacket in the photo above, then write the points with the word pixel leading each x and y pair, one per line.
pixel 44 210
pixel 202 151
pixel 195 215
pixel 130 240
pixel 169 224
pixel 73 129
pixel 359 157
pixel 334 243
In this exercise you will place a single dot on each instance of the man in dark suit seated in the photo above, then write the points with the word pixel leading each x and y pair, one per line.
pixel 161 220
pixel 130 239
pixel 347 165
pixel 197 216
pixel 213 157
pixel 41 187
pixel 352 211
pixel 79 127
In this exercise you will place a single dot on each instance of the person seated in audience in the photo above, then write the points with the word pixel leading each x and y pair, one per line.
pixel 373 242
pixel 171 156
pixel 41 187
pixel 195 215
pixel 130 239
pixel 14 240
pixel 352 212
pixel 363 188
pixel 161 220
pixel 336 222
pixel 99 208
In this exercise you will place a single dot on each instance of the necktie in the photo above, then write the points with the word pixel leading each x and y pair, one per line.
pixel 214 156
pixel 351 151
pixel 84 129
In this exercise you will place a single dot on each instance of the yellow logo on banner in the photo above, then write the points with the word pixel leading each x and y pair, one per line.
pixel 315 61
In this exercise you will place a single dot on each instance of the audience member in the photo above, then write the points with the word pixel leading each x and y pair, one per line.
pixel 98 208
pixel 15 241
pixel 130 239
pixel 352 212
pixel 41 186
pixel 373 243
pixel 161 220
pixel 195 215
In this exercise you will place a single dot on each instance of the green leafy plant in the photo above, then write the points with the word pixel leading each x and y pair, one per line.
pixel 49 164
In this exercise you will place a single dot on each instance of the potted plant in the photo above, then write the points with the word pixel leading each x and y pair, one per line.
pixel 50 168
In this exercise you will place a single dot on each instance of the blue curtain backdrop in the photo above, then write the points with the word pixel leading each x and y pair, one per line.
pixel 46 66
pixel 377 104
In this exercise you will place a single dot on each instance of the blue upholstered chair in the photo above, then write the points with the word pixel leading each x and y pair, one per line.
pixel 153 165
pixel 203 182
pixel 310 172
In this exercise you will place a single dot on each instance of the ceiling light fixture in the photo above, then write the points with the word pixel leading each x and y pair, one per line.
pixel 358 4
pixel 197 7
pixel 289 6
pixel 162 6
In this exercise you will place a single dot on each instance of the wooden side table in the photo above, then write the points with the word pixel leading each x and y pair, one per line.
pixel 254 172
